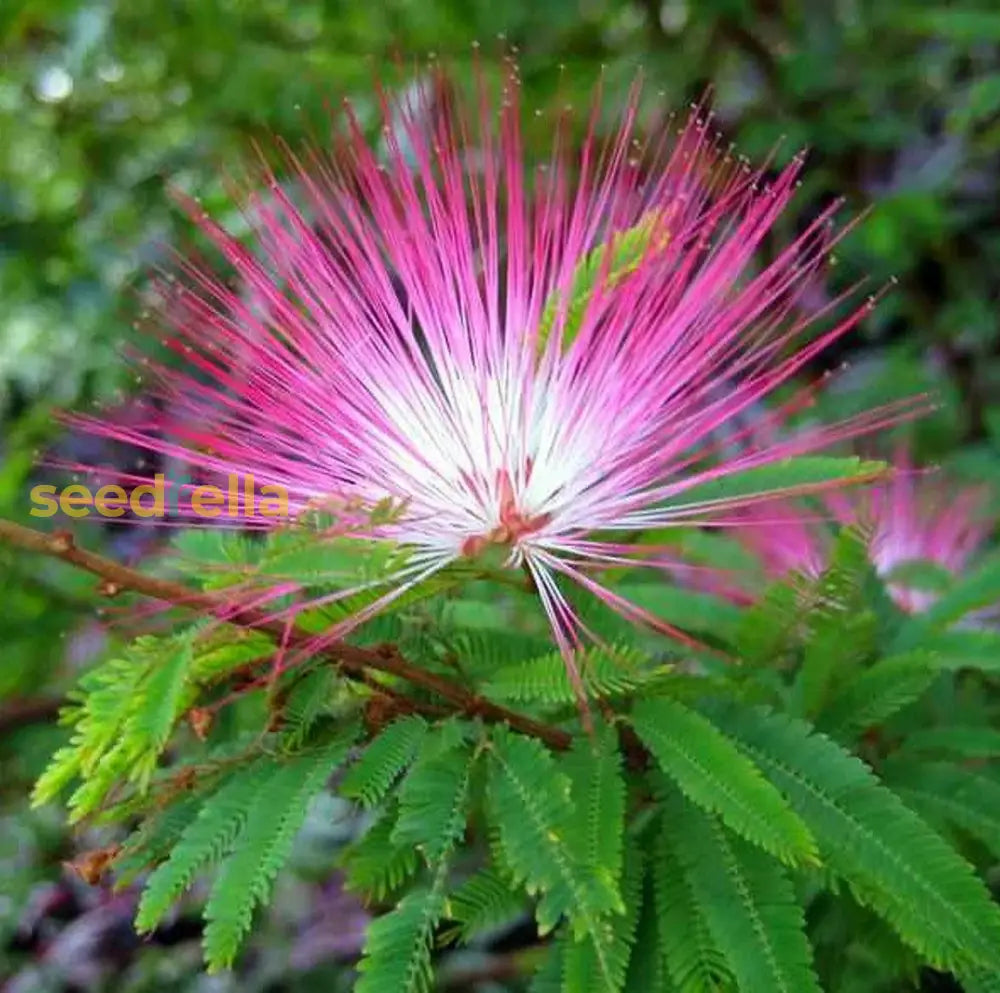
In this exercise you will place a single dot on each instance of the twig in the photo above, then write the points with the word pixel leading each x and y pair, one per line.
pixel 33 710
pixel 352 659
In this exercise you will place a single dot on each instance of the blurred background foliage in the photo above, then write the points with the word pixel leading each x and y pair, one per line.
pixel 104 104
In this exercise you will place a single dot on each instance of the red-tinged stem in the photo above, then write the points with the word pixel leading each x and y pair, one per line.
pixel 353 660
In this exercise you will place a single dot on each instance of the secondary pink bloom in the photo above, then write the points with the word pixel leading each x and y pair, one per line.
pixel 916 516
pixel 410 325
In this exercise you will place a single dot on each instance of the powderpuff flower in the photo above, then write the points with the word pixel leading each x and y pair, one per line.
pixel 539 361
pixel 914 517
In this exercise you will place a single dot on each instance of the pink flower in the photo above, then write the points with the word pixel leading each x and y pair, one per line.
pixel 916 516
pixel 541 361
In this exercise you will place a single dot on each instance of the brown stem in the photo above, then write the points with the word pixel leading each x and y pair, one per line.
pixel 33 710
pixel 352 659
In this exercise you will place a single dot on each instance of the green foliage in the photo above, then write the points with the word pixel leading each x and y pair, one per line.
pixel 206 840
pixel 597 785
pixel 433 801
pixel 842 627
pixel 606 673
pixel 369 779
pixel 375 865
pixel 127 711
pixel 485 900
pixel 247 826
pixel 698 613
pixel 879 692
pixel 891 859
pixel 713 773
pixel 803 474
pixel 965 741
pixel 589 968
pixel 603 267
pixel 690 954
pixel 532 810
pixel 680 835
pixel 262 845
pixel 747 904
pixel 951 794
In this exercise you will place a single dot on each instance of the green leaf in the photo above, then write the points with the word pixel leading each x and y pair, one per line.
pixel 163 694
pixel 960 648
pixel 748 904
pixel 841 629
pixel 975 590
pixel 980 981
pixel 154 839
pixel 263 845
pixel 431 798
pixel 370 778
pixel 374 865
pixel 307 702
pixel 606 674
pixel 952 794
pixel 548 975
pixel 397 951
pixel 127 711
pixel 646 967
pixel 614 260
pixel 597 789
pixel 877 693
pixel 955 24
pixel 804 474
pixel 692 957
pixel 699 613
pixel 770 626
pixel 893 862
pixel 205 840
pixel 713 773
pixel 484 901
pixel 582 970
pixel 226 650
pixel 531 810
pixel 969 742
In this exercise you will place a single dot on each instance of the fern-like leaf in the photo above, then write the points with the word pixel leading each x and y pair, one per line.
pixel 606 674
pixel 155 838
pixel 612 261
pixel 128 709
pixel 430 799
pixel 484 901
pixel 748 903
pixel 370 778
pixel 892 860
pixel 712 772
pixel 647 965
pixel 877 694
pixel 582 967
pixel 262 847
pixel 690 610
pixel 205 840
pixel 597 788
pixel 969 742
pixel 531 810
pixel 952 794
pixel 397 952
pixel 375 866
pixel 397 949
pixel 691 956
pixel 307 702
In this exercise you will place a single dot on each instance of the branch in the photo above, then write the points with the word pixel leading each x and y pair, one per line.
pixel 32 710
pixel 352 659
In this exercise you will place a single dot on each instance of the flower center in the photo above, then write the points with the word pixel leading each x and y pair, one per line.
pixel 513 524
